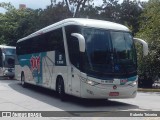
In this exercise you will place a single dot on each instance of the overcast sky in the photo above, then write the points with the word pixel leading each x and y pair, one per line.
pixel 29 3
pixel 35 4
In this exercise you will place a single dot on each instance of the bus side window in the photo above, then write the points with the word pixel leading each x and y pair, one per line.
pixel 54 41
pixel 35 45
pixel 23 47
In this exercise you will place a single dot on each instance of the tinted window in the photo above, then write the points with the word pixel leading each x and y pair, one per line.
pixel 49 41
pixel 73 45
pixel 9 51
pixel 123 46
pixel 98 45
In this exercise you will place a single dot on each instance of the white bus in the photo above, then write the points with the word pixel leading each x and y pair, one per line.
pixel 82 57
pixel 7 60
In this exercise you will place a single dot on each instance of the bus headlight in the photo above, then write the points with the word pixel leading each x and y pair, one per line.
pixel 133 83
pixel 90 82
pixel 6 71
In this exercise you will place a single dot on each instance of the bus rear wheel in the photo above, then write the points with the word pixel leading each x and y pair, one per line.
pixel 11 77
pixel 23 80
pixel 60 89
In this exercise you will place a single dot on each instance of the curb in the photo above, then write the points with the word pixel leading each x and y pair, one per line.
pixel 148 90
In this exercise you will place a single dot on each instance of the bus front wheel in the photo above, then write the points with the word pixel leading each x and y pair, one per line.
pixel 60 89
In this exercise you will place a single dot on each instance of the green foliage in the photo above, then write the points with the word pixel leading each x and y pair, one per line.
pixel 111 10
pixel 53 14
pixel 126 13
pixel 18 23
pixel 149 30
pixel 7 6
pixel 75 6
pixel 130 12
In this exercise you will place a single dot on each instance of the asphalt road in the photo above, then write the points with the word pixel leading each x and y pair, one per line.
pixel 13 97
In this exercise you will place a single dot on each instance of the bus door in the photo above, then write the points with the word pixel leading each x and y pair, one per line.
pixel 76 86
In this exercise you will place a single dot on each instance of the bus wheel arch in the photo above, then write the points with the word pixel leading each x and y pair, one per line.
pixel 60 87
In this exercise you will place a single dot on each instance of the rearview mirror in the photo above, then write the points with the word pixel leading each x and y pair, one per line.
pixel 81 40
pixel 4 57
pixel 145 45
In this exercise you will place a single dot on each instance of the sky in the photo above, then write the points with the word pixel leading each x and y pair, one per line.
pixel 35 4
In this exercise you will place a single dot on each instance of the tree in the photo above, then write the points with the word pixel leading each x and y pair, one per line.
pixel 149 30
pixel 110 10
pixel 127 13
pixel 130 12
pixel 53 14
pixel 90 11
pixel 16 23
pixel 7 6
pixel 6 25
pixel 77 5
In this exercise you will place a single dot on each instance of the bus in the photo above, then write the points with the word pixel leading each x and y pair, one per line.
pixel 87 58
pixel 7 60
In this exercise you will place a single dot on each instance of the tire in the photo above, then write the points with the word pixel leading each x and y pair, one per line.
pixel 11 77
pixel 23 80
pixel 60 89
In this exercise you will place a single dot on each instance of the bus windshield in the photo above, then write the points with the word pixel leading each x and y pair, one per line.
pixel 109 53
pixel 9 51
pixel 9 57
pixel 9 61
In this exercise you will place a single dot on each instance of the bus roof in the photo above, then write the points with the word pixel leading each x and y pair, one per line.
pixel 5 46
pixel 82 22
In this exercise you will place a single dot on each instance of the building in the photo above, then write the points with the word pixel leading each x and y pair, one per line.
pixel 22 6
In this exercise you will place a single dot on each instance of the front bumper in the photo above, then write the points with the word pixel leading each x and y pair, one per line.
pixel 9 73
pixel 102 91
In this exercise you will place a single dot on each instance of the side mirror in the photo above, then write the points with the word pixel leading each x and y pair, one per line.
pixel 145 45
pixel 3 56
pixel 82 45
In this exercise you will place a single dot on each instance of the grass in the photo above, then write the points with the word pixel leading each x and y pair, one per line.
pixel 148 90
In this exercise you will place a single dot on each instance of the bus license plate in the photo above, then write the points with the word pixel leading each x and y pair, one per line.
pixel 114 94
